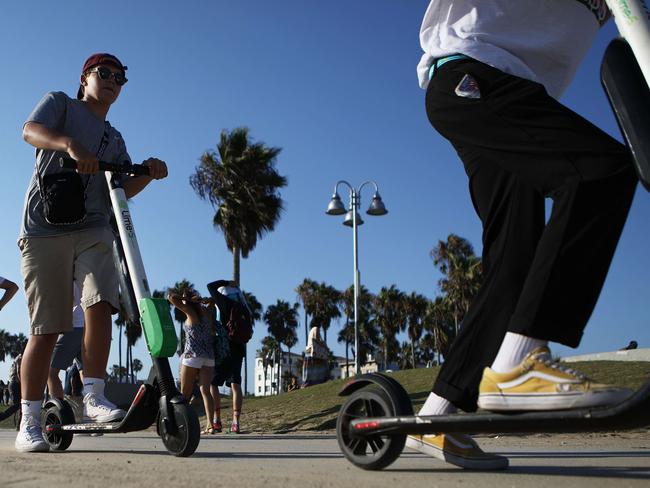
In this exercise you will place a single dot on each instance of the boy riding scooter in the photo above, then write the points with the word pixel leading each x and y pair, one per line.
pixel 65 235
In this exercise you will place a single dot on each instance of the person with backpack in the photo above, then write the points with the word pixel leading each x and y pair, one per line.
pixel 235 316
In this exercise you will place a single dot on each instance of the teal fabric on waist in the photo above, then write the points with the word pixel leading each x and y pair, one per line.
pixel 437 63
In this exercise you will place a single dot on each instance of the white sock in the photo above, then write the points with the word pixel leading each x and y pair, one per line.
pixel 514 349
pixel 93 385
pixel 31 408
pixel 436 405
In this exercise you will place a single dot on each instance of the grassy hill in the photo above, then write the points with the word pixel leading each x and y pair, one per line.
pixel 315 408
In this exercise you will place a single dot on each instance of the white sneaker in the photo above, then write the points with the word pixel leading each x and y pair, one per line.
pixel 30 436
pixel 97 408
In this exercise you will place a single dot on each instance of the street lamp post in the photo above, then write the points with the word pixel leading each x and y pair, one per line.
pixel 353 219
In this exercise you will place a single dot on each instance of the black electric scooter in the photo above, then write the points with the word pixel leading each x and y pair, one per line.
pixel 160 402
pixel 374 421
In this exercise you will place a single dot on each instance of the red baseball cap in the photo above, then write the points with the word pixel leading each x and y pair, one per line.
pixel 97 59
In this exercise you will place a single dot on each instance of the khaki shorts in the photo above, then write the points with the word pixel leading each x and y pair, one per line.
pixel 49 265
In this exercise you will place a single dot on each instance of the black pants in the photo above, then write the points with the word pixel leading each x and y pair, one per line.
pixel 542 280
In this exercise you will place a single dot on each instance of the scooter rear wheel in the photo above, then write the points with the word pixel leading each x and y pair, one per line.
pixel 185 440
pixel 61 440
pixel 372 452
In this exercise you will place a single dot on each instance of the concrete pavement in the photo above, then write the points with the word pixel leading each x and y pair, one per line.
pixel 248 460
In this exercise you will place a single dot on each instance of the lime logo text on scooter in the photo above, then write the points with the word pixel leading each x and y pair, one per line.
pixel 126 218
pixel 627 10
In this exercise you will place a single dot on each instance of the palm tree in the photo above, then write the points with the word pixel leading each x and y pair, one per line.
pixel 305 291
pixel 367 330
pixel 5 344
pixel 428 348
pixel 256 314
pixel 462 273
pixel 11 344
pixel 416 308
pixel 282 320
pixel 137 367
pixel 180 288
pixel 290 340
pixel 326 300
pixel 391 317
pixel 439 321
pixel 17 344
pixel 404 357
pixel 240 181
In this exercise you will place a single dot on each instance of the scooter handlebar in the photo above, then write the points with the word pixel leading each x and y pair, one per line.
pixel 125 168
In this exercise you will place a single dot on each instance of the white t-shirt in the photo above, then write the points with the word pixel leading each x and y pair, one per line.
pixel 539 40
pixel 77 311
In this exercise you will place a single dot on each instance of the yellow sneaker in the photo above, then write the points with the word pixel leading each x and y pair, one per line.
pixel 539 383
pixel 457 449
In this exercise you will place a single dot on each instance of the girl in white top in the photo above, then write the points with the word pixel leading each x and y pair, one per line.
pixel 198 356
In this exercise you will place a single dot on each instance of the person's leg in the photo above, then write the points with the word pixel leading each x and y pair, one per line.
pixel 97 340
pixel 96 277
pixel 46 265
pixel 512 215
pixel 188 379
pixel 237 353
pixel 237 400
pixel 518 129
pixel 67 348
pixel 205 376
pixel 34 371
pixel 216 415
pixel 54 385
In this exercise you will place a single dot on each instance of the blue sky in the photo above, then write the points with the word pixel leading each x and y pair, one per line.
pixel 334 85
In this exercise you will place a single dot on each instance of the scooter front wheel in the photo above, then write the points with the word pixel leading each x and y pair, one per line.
pixel 185 440
pixel 372 452
pixel 57 439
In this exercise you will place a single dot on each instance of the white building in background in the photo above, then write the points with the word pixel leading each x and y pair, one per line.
pixel 274 370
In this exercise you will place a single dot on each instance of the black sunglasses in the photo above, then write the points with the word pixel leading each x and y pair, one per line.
pixel 105 73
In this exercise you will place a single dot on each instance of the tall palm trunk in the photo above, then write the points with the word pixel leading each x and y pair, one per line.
pixel 412 353
pixel 347 359
pixel 306 327
pixel 278 380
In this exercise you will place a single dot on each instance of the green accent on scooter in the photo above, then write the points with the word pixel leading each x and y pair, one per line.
pixel 158 327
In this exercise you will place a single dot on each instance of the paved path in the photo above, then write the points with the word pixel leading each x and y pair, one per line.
pixel 140 459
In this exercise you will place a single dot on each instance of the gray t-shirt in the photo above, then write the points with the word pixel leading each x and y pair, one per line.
pixel 71 117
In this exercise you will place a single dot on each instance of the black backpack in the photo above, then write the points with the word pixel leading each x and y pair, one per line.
pixel 239 324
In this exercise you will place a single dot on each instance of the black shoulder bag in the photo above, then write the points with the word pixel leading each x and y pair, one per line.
pixel 63 195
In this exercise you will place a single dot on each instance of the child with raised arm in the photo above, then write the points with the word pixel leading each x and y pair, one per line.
pixel 198 354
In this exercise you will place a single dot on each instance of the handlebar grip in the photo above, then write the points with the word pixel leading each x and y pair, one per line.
pixel 125 168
